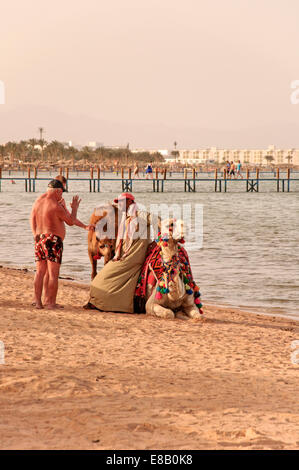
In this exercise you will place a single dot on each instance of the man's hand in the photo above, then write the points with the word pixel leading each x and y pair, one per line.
pixel 75 203
pixel 90 227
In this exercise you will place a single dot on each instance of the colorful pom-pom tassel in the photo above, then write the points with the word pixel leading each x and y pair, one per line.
pixel 158 295
pixel 197 301
pixel 189 291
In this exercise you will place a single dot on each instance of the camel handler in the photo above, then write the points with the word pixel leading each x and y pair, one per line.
pixel 48 218
pixel 113 288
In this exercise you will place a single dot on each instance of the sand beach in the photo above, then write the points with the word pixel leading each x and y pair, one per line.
pixel 76 379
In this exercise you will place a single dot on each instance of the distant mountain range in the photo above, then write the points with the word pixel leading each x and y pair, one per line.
pixel 23 122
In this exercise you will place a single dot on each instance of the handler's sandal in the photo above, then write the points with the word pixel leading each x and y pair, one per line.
pixel 89 306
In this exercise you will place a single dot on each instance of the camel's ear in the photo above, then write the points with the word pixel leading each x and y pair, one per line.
pixel 167 227
pixel 179 230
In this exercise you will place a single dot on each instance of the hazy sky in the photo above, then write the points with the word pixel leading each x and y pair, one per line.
pixel 206 64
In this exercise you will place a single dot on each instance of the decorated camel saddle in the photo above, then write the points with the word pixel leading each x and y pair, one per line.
pixel 166 287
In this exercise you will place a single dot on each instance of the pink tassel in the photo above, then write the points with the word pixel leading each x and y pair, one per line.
pixel 158 295
pixel 197 301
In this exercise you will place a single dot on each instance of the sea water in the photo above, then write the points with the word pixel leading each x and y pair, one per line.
pixel 249 257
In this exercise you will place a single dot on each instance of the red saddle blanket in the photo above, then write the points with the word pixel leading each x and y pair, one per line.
pixel 153 258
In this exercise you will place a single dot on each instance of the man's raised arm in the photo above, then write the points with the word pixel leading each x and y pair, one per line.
pixel 65 216
pixel 74 205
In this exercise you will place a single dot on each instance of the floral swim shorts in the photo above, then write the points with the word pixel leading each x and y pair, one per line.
pixel 48 247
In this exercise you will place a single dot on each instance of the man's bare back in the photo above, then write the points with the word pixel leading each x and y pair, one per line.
pixel 49 216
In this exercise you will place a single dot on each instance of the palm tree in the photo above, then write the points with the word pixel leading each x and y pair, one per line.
pixel 23 150
pixel 2 152
pixel 12 149
pixel 32 143
pixel 54 150
pixel 174 152
pixel 269 159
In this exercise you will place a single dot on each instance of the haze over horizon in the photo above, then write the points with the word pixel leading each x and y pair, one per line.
pixel 148 73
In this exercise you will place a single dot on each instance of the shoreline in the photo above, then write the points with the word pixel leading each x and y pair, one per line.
pixel 77 379
pixel 247 310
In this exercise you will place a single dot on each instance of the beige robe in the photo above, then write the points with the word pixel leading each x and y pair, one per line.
pixel 113 288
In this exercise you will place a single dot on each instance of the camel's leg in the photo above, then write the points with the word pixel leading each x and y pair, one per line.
pixel 181 315
pixel 93 264
pixel 192 311
pixel 159 311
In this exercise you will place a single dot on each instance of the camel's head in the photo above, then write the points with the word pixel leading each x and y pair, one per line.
pixel 105 220
pixel 172 232
pixel 106 249
pixel 173 229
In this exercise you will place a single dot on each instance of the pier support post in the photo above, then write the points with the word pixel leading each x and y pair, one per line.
pixel 216 179
pixel 225 179
pixel 98 178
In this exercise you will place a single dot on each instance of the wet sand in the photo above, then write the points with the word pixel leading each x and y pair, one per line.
pixel 76 379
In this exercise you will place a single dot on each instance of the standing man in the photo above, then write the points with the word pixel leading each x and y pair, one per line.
pixel 136 171
pixel 239 166
pixel 232 170
pixel 227 168
pixel 48 218
pixel 149 171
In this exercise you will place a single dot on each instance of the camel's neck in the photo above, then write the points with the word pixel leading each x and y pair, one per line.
pixel 172 273
pixel 170 251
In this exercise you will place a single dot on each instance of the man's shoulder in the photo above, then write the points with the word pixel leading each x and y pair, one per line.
pixel 40 198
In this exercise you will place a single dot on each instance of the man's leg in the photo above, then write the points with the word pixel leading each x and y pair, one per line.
pixel 41 267
pixel 46 287
pixel 53 270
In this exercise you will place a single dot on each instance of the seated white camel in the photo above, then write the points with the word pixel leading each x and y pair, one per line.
pixel 176 301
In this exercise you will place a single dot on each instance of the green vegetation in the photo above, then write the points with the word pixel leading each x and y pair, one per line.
pixel 38 151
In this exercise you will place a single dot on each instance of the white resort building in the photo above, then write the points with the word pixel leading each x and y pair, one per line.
pixel 271 155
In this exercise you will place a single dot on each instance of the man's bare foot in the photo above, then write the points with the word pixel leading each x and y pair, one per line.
pixel 38 305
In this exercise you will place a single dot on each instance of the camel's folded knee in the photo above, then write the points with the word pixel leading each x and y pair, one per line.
pixel 194 313
pixel 161 312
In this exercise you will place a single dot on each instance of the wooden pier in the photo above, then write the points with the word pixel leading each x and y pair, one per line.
pixel 191 182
